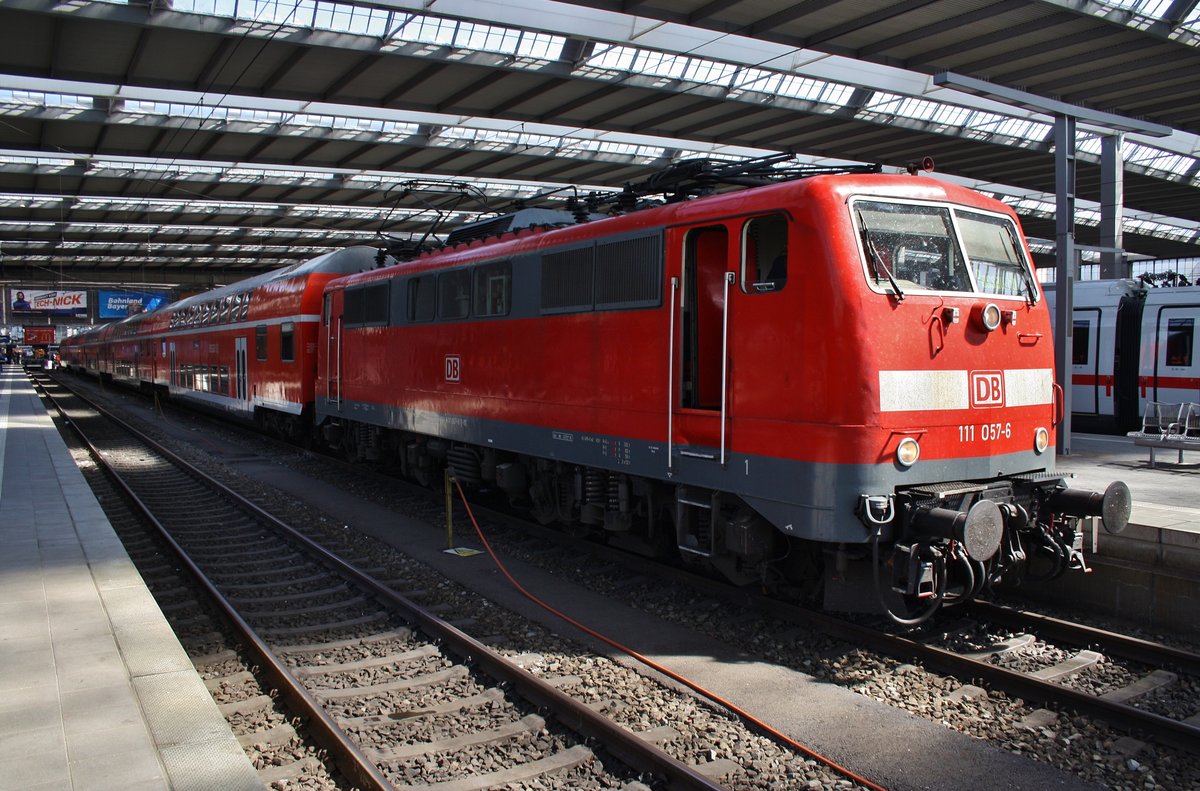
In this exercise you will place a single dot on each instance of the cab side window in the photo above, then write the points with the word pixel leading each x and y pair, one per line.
pixel 454 294
pixel 764 254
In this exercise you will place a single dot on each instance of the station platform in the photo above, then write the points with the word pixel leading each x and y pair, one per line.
pixel 1150 572
pixel 95 690
pixel 1164 497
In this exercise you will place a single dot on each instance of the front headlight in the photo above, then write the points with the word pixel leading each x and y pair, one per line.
pixel 987 317
pixel 907 452
pixel 1041 439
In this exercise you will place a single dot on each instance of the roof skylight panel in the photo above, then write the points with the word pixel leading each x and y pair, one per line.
pixel 18 102
pixel 1191 22
pixel 33 159
pixel 465 35
pixel 1155 159
pixel 883 106
pixel 315 210
pixel 27 225
pixel 30 201
pixel 711 72
pixel 346 18
pixel 1161 230
pixel 1007 126
pixel 1144 12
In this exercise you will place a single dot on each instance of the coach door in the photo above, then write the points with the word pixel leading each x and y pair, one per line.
pixel 174 372
pixel 241 374
pixel 1176 368
pixel 333 353
pixel 700 343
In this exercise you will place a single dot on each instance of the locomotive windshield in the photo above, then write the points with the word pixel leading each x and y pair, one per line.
pixel 915 247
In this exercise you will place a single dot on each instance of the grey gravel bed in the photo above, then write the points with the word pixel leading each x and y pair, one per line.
pixel 762 764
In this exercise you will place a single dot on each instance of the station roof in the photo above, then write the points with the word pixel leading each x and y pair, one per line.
pixel 206 140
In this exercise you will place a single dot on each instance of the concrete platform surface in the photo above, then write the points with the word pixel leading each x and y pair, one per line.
pixel 96 692
pixel 1166 496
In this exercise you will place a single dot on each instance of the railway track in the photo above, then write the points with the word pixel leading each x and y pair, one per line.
pixel 1150 689
pixel 401 697
pixel 931 650
pixel 1147 672
pixel 970 651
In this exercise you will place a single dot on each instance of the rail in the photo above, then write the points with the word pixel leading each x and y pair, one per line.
pixel 624 744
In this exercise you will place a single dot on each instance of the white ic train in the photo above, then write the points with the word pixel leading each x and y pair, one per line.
pixel 1131 345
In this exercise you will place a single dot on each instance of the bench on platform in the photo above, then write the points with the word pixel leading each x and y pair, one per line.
pixel 1169 427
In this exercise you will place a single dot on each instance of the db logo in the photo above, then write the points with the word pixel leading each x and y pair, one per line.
pixel 987 388
pixel 453 367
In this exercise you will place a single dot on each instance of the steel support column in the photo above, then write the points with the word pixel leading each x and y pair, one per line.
pixel 1112 207
pixel 1064 250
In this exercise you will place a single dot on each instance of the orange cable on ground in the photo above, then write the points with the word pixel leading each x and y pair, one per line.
pixel 740 712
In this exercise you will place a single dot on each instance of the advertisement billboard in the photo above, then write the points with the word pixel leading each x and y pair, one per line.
pixel 36 302
pixel 119 304
pixel 37 336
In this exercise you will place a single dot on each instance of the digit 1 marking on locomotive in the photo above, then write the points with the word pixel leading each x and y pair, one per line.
pixel 453 368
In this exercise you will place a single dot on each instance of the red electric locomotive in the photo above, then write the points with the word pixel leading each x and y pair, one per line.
pixel 801 382
pixel 840 383
pixel 247 349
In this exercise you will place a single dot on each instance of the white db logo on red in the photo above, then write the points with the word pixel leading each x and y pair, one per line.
pixel 453 368
pixel 987 388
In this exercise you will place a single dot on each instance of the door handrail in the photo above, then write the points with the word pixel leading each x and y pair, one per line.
pixel 339 363
pixel 729 278
pixel 671 379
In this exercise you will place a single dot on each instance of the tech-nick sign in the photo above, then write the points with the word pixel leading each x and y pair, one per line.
pixel 27 302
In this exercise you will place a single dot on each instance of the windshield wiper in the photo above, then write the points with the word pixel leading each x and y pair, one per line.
pixel 1030 288
pixel 876 260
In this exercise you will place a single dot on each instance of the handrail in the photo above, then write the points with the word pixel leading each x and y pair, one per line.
pixel 671 379
pixel 338 401
pixel 729 278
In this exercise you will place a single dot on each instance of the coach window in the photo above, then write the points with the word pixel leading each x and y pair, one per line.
pixel 493 289
pixel 1180 333
pixel 287 332
pixel 454 294
pixel 764 254
pixel 422 298
pixel 260 343
pixel 1081 332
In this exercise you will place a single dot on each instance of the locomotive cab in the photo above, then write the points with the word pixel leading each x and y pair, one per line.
pixel 967 398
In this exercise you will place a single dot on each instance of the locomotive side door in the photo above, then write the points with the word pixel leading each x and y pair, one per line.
pixel 701 364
